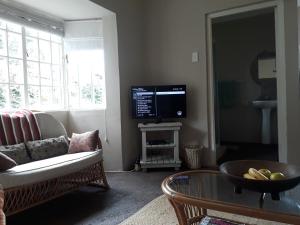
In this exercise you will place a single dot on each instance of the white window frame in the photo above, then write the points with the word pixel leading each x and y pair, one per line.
pixel 25 84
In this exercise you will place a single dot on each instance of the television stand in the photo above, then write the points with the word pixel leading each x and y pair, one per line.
pixel 163 153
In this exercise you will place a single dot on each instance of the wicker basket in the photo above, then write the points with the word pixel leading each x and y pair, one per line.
pixel 193 156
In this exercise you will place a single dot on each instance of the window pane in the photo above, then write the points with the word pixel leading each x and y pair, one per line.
pixel 98 79
pixel 33 73
pixel 45 53
pixel 98 95
pixel 56 54
pixel 57 96
pixel 33 95
pixel 73 74
pixel 32 48
pixel 74 97
pixel 16 74
pixel 86 94
pixel 3 43
pixel 15 45
pixel 17 96
pixel 56 38
pixel 3 70
pixel 44 35
pixel 3 96
pixel 14 27
pixel 46 74
pixel 2 24
pixel 31 32
pixel 46 96
pixel 56 76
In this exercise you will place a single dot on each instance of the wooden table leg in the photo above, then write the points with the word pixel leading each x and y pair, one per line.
pixel 203 212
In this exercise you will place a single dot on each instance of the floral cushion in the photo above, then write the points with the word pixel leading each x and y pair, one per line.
pixel 47 148
pixel 16 152
pixel 6 162
pixel 88 141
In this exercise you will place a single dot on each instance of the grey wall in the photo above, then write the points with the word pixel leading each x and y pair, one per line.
pixel 236 45
pixel 129 16
pixel 174 29
pixel 155 42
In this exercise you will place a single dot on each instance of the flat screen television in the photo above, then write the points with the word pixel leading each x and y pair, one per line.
pixel 158 102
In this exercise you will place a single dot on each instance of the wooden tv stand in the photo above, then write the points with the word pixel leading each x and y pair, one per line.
pixel 160 153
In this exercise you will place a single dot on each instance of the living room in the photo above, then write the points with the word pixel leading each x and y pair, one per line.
pixel 142 44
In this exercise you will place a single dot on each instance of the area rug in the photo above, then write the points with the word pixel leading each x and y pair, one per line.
pixel 160 212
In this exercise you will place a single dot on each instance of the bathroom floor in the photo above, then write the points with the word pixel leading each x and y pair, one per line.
pixel 240 151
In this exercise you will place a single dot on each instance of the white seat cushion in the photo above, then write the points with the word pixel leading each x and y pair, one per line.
pixel 46 169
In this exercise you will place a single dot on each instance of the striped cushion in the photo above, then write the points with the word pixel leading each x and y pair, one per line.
pixel 18 127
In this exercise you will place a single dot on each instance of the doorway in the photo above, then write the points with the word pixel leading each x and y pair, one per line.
pixel 218 101
pixel 245 86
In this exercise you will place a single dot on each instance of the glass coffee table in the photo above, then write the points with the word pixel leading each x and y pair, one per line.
pixel 191 193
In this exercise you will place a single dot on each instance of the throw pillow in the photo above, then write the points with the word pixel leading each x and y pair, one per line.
pixel 6 162
pixel 88 141
pixel 16 152
pixel 47 148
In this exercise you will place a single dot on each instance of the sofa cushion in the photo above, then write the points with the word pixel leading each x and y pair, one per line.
pixel 44 149
pixel 16 152
pixel 46 169
pixel 84 142
pixel 6 162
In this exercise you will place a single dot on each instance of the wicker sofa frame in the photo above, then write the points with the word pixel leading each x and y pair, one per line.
pixel 21 198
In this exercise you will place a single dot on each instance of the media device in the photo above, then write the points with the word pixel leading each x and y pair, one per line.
pixel 158 102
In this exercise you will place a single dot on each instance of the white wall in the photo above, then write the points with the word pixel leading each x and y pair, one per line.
pixel 289 101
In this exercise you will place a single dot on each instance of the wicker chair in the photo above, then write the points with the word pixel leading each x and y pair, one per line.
pixel 2 216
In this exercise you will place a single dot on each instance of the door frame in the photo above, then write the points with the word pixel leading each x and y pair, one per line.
pixel 278 7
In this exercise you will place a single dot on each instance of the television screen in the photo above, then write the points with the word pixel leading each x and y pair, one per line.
pixel 158 101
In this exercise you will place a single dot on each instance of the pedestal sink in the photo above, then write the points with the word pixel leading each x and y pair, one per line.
pixel 266 106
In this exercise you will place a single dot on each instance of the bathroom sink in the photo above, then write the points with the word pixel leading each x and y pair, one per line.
pixel 266 107
pixel 265 104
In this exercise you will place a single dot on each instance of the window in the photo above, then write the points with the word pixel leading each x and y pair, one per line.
pixel 83 44
pixel 30 68
pixel 86 79
pixel 32 73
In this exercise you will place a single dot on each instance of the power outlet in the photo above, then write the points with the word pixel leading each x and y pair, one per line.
pixel 195 57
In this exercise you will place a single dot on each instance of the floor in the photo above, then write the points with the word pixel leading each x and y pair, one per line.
pixel 241 151
pixel 129 192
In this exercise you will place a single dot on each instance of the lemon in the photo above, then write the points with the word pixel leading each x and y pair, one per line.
pixel 266 172
pixel 277 176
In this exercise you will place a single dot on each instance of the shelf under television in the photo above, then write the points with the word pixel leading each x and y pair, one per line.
pixel 161 146
pixel 158 161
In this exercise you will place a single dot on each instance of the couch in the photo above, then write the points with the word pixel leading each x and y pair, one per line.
pixel 33 183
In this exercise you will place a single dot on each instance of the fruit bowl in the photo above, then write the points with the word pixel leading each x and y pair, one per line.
pixel 234 170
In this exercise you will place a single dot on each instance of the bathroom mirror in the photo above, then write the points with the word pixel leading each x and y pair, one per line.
pixel 265 76
pixel 265 60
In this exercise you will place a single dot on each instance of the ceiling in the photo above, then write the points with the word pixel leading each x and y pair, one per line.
pixel 61 9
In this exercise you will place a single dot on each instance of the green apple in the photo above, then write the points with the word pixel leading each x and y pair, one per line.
pixel 277 176
pixel 265 172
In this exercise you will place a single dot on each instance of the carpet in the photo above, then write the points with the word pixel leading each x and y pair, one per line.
pixel 160 212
